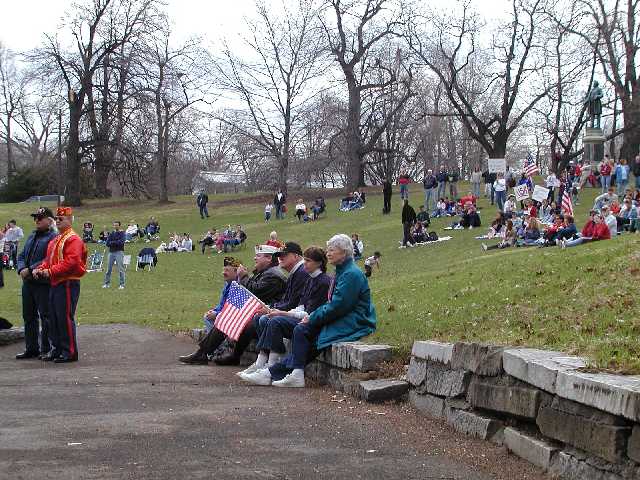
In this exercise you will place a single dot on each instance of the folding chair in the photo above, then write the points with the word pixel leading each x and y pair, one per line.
pixel 95 261
pixel 126 261
pixel 146 258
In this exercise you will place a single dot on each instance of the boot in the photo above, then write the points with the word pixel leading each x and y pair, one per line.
pixel 248 334
pixel 212 341
pixel 196 358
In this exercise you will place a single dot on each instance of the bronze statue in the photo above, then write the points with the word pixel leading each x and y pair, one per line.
pixel 594 104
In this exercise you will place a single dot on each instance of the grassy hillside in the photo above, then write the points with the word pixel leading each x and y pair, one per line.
pixel 582 300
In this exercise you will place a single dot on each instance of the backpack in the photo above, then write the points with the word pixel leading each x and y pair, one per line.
pixel 432 237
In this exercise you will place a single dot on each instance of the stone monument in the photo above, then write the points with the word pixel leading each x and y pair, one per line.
pixel 593 139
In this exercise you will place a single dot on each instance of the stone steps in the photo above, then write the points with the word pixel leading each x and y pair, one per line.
pixel 11 335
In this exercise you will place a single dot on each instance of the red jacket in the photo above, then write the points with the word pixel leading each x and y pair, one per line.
pixel 404 180
pixel 601 232
pixel 588 229
pixel 605 169
pixel 66 258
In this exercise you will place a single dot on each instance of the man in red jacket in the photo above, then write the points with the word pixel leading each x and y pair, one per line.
pixel 64 265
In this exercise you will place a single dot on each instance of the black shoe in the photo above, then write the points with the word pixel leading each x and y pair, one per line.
pixel 65 359
pixel 48 357
pixel 227 360
pixel 27 354
pixel 196 358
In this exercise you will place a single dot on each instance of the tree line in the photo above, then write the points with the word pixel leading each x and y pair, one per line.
pixel 314 92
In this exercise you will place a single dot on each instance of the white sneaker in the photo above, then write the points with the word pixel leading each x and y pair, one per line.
pixel 105 286
pixel 252 368
pixel 402 246
pixel 121 287
pixel 261 377
pixel 290 380
pixel 484 247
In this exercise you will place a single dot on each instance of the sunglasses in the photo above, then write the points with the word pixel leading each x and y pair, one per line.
pixel 59 219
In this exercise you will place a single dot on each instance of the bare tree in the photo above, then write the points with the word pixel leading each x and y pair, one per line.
pixel 355 30
pixel 12 91
pixel 508 73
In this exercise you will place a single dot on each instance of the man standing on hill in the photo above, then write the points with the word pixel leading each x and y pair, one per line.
pixel 387 190
pixel 429 183
pixel 201 200
pixel 64 265
pixel 115 243
pixel 35 293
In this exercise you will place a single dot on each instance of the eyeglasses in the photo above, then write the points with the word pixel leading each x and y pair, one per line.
pixel 59 219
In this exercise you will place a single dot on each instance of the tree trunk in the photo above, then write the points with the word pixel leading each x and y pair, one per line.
pixel 103 163
pixel 355 168
pixel 72 180
pixel 631 140
pixel 11 167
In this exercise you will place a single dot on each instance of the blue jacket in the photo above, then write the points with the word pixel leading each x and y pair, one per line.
pixel 293 292
pixel 115 241
pixel 349 315
pixel 223 297
pixel 34 251
pixel 315 292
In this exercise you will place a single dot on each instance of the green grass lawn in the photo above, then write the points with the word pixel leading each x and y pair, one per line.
pixel 582 300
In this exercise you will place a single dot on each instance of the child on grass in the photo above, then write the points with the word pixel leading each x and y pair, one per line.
pixel 370 262
pixel 267 211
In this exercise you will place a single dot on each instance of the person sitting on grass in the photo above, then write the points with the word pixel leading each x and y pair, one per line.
pixel 370 262
pixel 186 245
pixel 441 209
pixel 279 324
pixel 622 217
pixel 348 316
pixel 531 234
pixel 301 210
pixel 497 225
pixel 567 231
pixel 131 232
pixel 530 205
pixel 229 274
pixel 469 218
pixel 318 207
pixel 606 198
pixel 423 217
pixel 152 228
pixel 510 206
pixel 468 198
pixel 237 238
pixel 273 240
pixel 598 230
pixel 450 209
pixel 550 233
pixel 208 240
pixel 509 239
pixel 358 246
pixel 418 233
pixel 545 213
pixel 103 235
pixel 227 234
pixel 610 220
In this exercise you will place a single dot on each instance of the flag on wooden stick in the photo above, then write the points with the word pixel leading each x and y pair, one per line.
pixel 238 310
pixel 530 168
pixel 567 206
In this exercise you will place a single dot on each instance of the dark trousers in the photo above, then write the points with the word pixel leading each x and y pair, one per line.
pixel 63 299
pixel 203 211
pixel 35 305
pixel 303 350
pixel 1 276
pixel 273 333
pixel 215 337
pixel 406 234
pixel 386 208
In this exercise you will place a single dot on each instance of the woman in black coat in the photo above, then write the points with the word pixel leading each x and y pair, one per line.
pixel 408 219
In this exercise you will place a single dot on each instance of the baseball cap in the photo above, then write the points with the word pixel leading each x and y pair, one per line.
pixel 290 247
pixel 42 212
pixel 231 262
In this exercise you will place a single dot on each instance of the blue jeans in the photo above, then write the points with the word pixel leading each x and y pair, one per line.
pixel 404 191
pixel 118 259
pixel 429 196
pixel 303 350
pixel 475 189
pixel 605 180
pixel 441 189
pixel 622 186
pixel 270 338
pixel 638 182
pixel 203 211
pixel 500 199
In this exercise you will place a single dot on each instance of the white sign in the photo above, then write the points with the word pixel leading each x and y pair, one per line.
pixel 497 165
pixel 521 191
pixel 540 193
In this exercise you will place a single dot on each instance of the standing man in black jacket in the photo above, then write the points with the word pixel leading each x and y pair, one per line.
pixel 442 178
pixel 267 282
pixel 201 201
pixel 35 293
pixel 387 190
pixel 408 219
pixel 278 201
pixel 115 244
pixel 430 184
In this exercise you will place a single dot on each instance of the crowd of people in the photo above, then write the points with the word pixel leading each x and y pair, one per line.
pixel 223 240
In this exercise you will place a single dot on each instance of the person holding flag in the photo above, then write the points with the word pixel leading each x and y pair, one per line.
pixel 64 265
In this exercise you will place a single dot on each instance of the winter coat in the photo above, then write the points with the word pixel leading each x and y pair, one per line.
pixel 293 292
pixel 408 214
pixel 349 314
pixel 34 252
pixel 268 285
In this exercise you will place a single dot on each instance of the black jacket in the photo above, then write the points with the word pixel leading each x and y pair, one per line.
pixel 635 168
pixel 386 188
pixel 268 285
pixel 282 201
pixel 293 292
pixel 442 177
pixel 408 214
pixel 202 199
pixel 34 251
pixel 316 292
pixel 115 241
pixel 429 181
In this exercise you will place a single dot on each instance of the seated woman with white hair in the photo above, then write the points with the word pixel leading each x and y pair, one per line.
pixel 348 316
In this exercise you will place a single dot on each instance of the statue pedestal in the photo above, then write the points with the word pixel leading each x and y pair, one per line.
pixel 593 142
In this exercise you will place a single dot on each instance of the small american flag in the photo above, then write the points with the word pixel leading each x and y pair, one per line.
pixel 238 310
pixel 530 167
pixel 567 206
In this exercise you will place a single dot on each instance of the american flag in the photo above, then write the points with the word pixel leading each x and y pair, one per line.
pixel 530 167
pixel 238 310
pixel 567 206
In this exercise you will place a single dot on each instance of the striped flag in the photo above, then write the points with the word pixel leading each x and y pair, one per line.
pixel 238 310
pixel 530 167
pixel 567 206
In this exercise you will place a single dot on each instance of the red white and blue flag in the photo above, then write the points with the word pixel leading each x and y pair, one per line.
pixel 238 310
pixel 567 205
pixel 530 168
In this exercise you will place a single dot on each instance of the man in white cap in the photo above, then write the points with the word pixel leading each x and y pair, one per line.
pixel 268 283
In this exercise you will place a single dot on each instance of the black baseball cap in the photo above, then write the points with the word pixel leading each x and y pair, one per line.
pixel 290 247
pixel 42 212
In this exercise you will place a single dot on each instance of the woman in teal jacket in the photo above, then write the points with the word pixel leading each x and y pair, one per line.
pixel 348 315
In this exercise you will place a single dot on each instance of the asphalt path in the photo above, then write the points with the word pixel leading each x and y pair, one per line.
pixel 129 409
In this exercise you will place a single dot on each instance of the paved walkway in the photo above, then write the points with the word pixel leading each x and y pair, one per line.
pixel 128 409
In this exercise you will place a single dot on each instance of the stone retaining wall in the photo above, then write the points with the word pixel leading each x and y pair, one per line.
pixel 536 403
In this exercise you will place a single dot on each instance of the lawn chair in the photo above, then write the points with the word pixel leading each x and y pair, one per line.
pixel 126 261
pixel 95 261
pixel 147 258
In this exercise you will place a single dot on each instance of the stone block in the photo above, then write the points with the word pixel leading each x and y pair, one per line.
pixel 502 394
pixel 442 381
pixel 475 425
pixel 365 357
pixel 417 373
pixel 428 405
pixel 382 389
pixel 568 467
pixel 478 358
pixel 318 372
pixel 633 448
pixel 11 335
pixel 538 367
pixel 535 451
pixel 433 351
pixel 615 394
pixel 585 428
